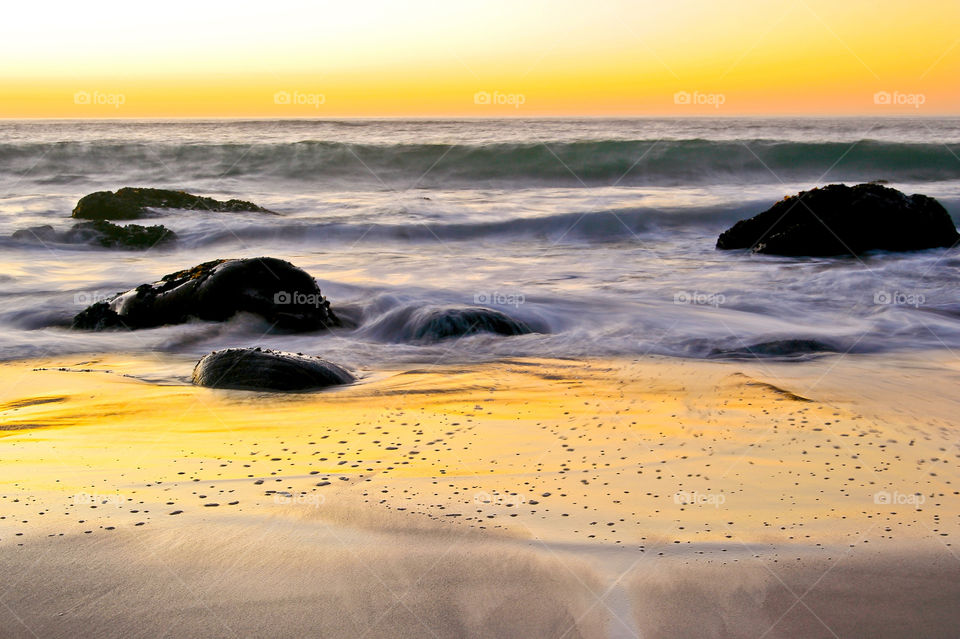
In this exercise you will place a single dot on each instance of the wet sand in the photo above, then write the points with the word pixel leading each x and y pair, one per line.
pixel 540 498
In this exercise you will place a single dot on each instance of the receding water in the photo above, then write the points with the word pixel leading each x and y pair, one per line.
pixel 599 232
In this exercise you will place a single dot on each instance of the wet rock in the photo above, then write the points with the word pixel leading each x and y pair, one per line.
pixel 133 203
pixel 844 220
pixel 434 324
pixel 780 349
pixel 278 291
pixel 45 233
pixel 131 236
pixel 257 369
pixel 100 233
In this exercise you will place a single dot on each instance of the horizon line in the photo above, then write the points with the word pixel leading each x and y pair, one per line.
pixel 690 116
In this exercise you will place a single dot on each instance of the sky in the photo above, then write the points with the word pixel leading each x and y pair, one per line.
pixel 465 58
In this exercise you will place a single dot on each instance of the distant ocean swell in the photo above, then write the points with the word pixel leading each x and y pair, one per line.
pixel 634 162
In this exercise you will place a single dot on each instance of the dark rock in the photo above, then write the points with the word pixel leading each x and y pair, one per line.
pixel 281 293
pixel 256 369
pixel 132 203
pixel 45 233
pixel 781 349
pixel 102 233
pixel 844 220
pixel 128 236
pixel 433 324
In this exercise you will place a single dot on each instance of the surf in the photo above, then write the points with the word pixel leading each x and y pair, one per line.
pixel 635 162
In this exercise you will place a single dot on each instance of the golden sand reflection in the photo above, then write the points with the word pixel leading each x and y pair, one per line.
pixel 615 452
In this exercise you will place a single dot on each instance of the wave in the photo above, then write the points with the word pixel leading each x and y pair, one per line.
pixel 597 226
pixel 820 311
pixel 604 162
pixel 592 226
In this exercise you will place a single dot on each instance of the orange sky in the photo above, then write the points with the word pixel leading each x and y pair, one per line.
pixel 292 58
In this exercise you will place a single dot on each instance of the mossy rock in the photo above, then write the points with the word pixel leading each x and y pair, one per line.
pixel 131 203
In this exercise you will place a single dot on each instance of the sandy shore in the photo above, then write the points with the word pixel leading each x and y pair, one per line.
pixel 654 498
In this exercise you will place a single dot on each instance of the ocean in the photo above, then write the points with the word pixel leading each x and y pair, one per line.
pixel 599 234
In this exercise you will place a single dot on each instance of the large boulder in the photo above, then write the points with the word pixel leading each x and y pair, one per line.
pixel 257 369
pixel 844 220
pixel 133 203
pixel 281 293
pixel 101 233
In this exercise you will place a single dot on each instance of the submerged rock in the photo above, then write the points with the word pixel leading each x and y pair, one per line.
pixel 844 220
pixel 281 293
pixel 781 349
pixel 102 233
pixel 433 324
pixel 132 203
pixel 45 233
pixel 256 369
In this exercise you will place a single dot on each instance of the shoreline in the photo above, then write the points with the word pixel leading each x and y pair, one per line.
pixel 652 411
pixel 628 481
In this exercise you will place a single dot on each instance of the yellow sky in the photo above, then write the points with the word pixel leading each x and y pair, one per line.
pixel 291 58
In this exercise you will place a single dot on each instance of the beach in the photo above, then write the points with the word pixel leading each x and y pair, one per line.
pixel 505 319
pixel 557 408
pixel 593 498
